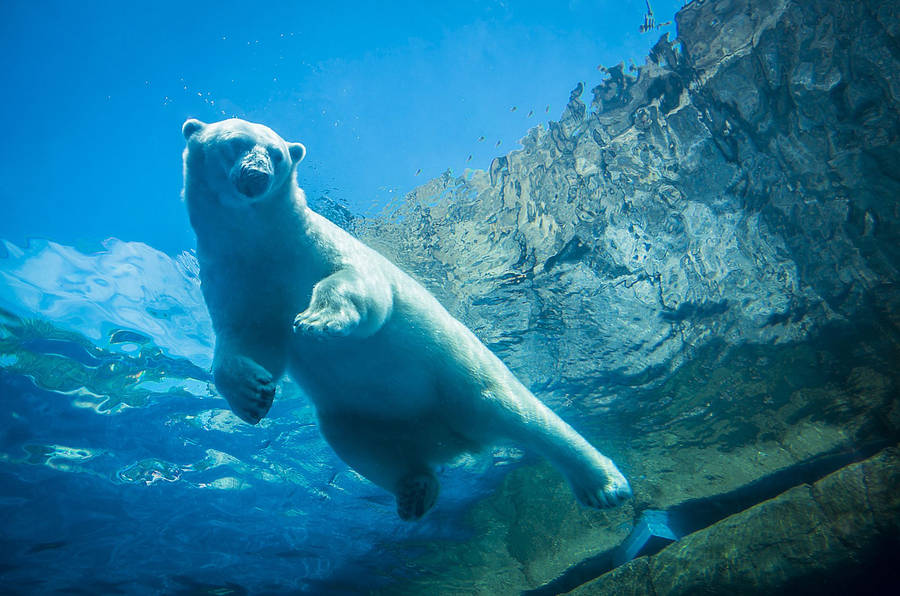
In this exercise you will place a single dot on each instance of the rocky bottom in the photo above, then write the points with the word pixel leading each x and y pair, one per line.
pixel 836 535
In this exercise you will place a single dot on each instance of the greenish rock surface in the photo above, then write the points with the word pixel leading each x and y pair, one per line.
pixel 782 409
pixel 838 535
pixel 697 266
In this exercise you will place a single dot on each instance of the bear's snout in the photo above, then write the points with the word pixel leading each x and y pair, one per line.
pixel 255 173
pixel 253 182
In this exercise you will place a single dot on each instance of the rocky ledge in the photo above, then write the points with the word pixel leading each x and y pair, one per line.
pixel 741 185
pixel 697 265
pixel 836 536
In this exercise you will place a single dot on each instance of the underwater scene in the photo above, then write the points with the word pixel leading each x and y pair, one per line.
pixel 576 298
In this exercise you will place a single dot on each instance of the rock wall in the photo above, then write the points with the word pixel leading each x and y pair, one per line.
pixel 696 265
pixel 836 536
pixel 738 186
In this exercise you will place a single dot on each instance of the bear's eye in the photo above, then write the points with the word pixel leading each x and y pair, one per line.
pixel 276 157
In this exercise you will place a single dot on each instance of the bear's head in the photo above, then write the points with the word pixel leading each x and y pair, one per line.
pixel 239 161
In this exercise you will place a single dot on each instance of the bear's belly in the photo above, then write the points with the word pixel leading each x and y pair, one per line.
pixel 388 375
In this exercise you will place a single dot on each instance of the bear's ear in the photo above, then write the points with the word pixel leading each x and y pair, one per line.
pixel 298 152
pixel 191 126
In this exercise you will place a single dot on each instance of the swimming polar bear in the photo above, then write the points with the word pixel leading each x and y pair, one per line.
pixel 398 384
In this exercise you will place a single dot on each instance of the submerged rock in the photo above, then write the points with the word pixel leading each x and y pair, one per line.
pixel 699 269
pixel 836 536
pixel 739 187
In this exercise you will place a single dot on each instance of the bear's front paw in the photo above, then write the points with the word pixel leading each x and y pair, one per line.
pixel 327 322
pixel 248 387
pixel 601 486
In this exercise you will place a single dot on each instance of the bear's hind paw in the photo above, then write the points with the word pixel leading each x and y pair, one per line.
pixel 416 494
pixel 602 487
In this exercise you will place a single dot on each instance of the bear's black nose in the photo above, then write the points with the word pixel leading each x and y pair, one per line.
pixel 253 182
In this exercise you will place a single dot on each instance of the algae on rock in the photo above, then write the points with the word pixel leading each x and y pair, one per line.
pixel 699 269
pixel 837 536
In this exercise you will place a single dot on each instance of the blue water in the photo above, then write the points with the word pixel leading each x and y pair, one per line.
pixel 123 470
pixel 384 95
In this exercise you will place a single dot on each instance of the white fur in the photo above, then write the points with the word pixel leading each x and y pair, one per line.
pixel 399 385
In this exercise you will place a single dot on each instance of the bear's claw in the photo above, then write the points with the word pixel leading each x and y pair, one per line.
pixel 416 495
pixel 326 323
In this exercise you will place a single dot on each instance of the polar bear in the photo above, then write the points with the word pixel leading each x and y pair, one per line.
pixel 398 384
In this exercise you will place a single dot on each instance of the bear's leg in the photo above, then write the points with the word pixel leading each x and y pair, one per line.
pixel 416 494
pixel 246 369
pixel 523 418
pixel 346 303
pixel 374 450
pixel 248 387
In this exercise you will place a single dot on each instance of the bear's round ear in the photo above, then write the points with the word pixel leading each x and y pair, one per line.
pixel 191 125
pixel 298 152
